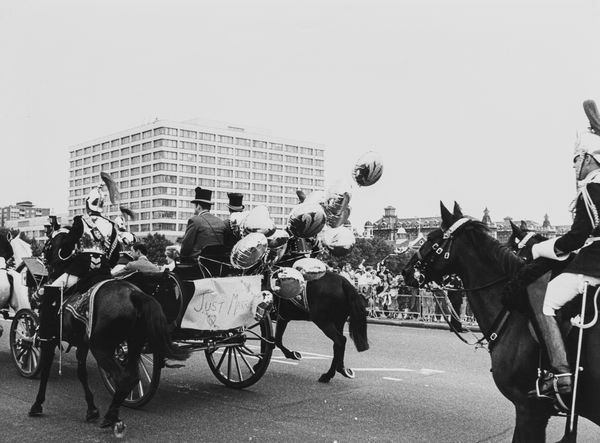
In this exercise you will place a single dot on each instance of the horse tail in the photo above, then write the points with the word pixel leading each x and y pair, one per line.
pixel 358 316
pixel 157 329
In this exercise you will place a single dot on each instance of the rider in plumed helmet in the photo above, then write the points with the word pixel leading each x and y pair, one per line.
pixel 585 266
pixel 93 242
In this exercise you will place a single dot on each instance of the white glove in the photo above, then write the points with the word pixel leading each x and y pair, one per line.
pixel 546 249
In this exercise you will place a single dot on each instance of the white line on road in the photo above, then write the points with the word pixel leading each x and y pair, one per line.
pixel 384 369
pixel 392 378
pixel 426 371
pixel 277 360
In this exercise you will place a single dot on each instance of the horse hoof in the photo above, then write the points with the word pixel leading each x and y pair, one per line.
pixel 92 415
pixel 324 378
pixel 119 429
pixel 347 372
pixel 296 355
pixel 35 411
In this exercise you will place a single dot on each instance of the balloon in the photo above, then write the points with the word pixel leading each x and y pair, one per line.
pixel 258 220
pixel 368 169
pixel 311 268
pixel 249 251
pixel 336 205
pixel 278 238
pixel 287 283
pixel 306 220
pixel 235 221
pixel 339 241
pixel 298 245
pixel 275 254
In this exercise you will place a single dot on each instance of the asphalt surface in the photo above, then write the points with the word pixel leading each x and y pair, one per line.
pixel 413 385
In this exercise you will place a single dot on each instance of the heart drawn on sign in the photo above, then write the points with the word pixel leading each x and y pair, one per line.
pixel 211 319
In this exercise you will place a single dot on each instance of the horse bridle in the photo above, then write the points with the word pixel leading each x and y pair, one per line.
pixel 437 250
pixel 443 250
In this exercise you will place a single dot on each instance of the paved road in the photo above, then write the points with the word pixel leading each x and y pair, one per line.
pixel 414 385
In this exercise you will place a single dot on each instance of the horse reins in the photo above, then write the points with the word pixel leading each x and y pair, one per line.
pixel 443 250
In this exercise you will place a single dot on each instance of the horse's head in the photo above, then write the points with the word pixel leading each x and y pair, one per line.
pixel 521 241
pixel 434 259
pixel 6 250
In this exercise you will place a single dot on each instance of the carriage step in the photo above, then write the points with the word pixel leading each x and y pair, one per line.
pixel 174 365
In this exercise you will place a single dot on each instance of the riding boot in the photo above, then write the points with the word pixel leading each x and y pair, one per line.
pixel 560 379
pixel 49 308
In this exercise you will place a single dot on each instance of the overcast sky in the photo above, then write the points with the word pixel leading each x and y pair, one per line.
pixel 475 101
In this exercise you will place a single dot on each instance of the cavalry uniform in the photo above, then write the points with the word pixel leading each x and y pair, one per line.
pixel 93 242
pixel 584 236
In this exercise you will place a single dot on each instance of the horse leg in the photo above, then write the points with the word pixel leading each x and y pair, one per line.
pixel 92 411
pixel 346 372
pixel 530 424
pixel 339 345
pixel 279 330
pixel 46 359
pixel 124 379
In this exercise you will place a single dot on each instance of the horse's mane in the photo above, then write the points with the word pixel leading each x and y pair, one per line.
pixel 507 260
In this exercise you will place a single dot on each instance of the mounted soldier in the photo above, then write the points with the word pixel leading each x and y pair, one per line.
pixel 92 245
pixel 584 234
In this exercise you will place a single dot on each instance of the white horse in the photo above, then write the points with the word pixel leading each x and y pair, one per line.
pixel 18 298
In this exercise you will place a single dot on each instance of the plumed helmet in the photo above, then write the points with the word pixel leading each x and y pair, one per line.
pixel 310 268
pixel 306 220
pixel 95 200
pixel 120 223
pixel 339 241
pixel 287 283
pixel 588 141
pixel 258 220
pixel 249 251
pixel 368 169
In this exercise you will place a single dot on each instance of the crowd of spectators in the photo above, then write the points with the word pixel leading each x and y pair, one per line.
pixel 387 296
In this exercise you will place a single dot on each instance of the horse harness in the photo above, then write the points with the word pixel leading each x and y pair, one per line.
pixel 443 250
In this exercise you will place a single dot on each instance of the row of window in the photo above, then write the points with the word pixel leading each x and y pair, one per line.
pixel 172 155
pixel 197 136
pixel 199 181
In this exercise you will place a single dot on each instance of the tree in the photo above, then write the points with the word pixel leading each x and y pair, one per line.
pixel 156 244
pixel 372 250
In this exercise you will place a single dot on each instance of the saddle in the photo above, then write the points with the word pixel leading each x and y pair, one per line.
pixel 165 288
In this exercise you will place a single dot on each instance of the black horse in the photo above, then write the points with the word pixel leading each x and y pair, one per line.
pixel 121 313
pixel 464 247
pixel 331 300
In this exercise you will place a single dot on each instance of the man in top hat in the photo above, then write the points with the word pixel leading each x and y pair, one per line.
pixel 203 230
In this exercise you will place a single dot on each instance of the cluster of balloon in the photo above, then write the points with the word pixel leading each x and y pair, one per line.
pixel 339 241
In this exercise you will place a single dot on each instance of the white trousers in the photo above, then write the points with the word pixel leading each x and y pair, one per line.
pixel 564 288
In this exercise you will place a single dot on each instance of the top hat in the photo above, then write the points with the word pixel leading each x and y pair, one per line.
pixel 203 196
pixel 235 201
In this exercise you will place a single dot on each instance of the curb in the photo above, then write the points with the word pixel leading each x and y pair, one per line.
pixel 416 324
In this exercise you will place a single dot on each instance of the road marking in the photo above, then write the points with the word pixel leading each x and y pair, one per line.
pixel 277 360
pixel 384 369
pixel 392 378
pixel 426 371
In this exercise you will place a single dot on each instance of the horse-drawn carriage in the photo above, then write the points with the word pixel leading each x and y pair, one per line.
pixel 237 345
pixel 24 346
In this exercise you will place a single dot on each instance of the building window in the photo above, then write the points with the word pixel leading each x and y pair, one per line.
pixel 135 137
pixel 276 188
pixel 291 169
pixel 276 157
pixel 159 155
pixel 242 152
pixel 224 173
pixel 188 169
pixel 188 157
pixel 291 159
pixel 259 187
pixel 225 139
pixel 114 143
pixel 146 192
pixel 188 134
pixel 242 185
pixel 206 182
pixel 260 198
pixel 206 159
pixel 157 202
pixel 225 184
pixel 224 150
pixel 207 148
pixel 291 149
pixel 206 136
pixel 146 181
pixel 187 181
pixel 224 161
pixel 276 146
pixel 242 174
pixel 275 167
pixel 242 164
pixel 164 214
pixel 162 178
pixel 136 148
pixel 125 162
pixel 125 140
pixel 242 141
pixel 259 176
pixel 275 178
pixel 203 170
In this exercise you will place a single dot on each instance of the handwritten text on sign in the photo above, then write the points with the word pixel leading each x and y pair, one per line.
pixel 223 303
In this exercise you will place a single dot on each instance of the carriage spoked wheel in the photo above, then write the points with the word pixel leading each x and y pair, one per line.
pixel 149 368
pixel 243 362
pixel 24 347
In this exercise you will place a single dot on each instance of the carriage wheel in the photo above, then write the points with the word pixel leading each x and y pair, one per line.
pixel 240 366
pixel 149 374
pixel 24 348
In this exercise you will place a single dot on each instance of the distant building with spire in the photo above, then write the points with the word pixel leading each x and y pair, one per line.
pixel 403 231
